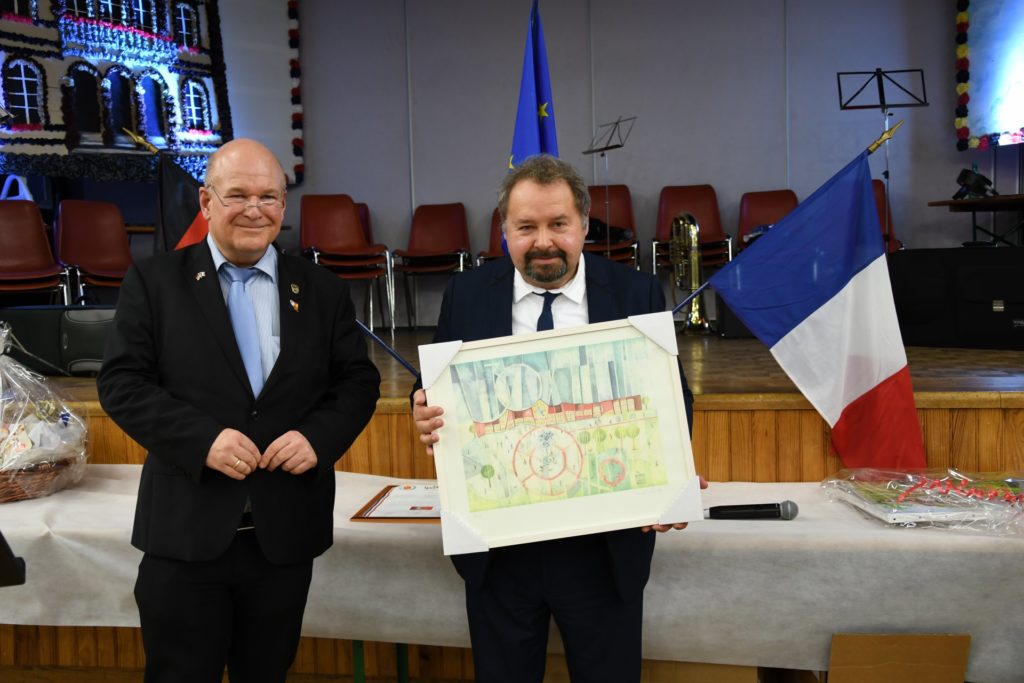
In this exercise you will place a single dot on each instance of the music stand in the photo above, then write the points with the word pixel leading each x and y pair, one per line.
pixel 887 83
pixel 610 136
pixel 12 569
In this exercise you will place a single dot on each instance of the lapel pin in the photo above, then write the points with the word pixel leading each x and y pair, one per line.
pixel 295 305
pixel 295 288
pixel 200 275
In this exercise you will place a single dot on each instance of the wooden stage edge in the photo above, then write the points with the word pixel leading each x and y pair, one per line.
pixel 750 422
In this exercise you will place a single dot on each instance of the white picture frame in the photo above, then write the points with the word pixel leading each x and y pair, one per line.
pixel 560 433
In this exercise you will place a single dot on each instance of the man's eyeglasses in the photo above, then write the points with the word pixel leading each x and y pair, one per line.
pixel 234 201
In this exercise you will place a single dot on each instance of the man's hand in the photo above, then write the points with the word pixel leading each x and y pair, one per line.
pixel 291 452
pixel 427 419
pixel 234 454
pixel 662 528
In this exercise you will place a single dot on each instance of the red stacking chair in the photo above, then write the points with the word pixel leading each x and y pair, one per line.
pixel 333 233
pixel 438 243
pixel 26 262
pixel 613 205
pixel 92 245
pixel 702 203
pixel 494 250
pixel 885 217
pixel 759 209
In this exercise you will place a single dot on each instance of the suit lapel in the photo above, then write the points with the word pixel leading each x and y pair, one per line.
pixel 202 280
pixel 498 313
pixel 600 296
pixel 291 292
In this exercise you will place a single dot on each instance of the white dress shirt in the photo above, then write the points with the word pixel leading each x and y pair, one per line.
pixel 568 310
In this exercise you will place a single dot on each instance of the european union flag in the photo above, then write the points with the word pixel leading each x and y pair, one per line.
pixel 535 118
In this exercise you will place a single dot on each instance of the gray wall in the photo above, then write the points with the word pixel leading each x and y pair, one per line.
pixel 411 102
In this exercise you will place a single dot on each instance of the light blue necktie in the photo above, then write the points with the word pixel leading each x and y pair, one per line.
pixel 243 321
pixel 546 321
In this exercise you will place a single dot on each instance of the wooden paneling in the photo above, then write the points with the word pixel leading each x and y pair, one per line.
pixel 88 647
pixel 323 659
pixel 775 438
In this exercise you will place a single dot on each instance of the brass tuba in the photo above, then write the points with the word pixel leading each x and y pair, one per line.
pixel 684 253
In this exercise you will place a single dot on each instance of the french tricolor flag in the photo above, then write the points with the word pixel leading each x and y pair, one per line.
pixel 815 289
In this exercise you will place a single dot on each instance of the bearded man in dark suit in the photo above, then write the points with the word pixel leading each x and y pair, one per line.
pixel 242 372
pixel 592 585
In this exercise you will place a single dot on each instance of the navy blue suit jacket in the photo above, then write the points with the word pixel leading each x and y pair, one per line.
pixel 478 305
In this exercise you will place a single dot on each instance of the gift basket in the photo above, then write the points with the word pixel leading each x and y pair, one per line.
pixel 42 443
pixel 987 502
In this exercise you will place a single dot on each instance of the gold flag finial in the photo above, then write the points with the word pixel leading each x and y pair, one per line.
pixel 884 138
pixel 141 141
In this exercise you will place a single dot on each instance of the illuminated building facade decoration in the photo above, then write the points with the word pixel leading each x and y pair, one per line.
pixel 74 74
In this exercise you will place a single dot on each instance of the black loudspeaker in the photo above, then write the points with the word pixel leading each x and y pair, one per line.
pixel 990 306
pixel 60 339
pixel 960 297
pixel 727 324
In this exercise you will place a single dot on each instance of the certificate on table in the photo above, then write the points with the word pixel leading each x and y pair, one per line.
pixel 416 503
pixel 560 433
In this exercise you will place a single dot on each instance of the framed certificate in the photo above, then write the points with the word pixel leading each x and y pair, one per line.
pixel 560 433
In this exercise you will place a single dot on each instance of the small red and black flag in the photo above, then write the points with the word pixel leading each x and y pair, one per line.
pixel 180 223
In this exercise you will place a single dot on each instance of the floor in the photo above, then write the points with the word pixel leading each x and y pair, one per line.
pixel 722 366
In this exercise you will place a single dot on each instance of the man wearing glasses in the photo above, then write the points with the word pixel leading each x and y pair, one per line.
pixel 242 372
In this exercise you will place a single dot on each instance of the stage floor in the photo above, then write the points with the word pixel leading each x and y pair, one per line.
pixel 744 366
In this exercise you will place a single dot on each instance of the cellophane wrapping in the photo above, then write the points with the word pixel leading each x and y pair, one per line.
pixel 42 441
pixel 985 502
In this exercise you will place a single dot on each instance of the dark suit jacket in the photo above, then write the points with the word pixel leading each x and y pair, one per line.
pixel 478 305
pixel 173 378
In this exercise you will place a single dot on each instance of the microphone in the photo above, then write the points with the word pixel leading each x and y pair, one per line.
pixel 787 509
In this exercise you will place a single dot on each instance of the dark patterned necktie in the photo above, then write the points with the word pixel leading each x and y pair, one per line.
pixel 546 321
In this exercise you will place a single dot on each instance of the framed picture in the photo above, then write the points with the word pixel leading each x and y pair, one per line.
pixel 560 433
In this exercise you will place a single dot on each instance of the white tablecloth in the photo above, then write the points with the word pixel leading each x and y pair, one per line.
pixel 767 593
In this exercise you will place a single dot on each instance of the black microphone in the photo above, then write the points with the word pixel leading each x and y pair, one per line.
pixel 787 509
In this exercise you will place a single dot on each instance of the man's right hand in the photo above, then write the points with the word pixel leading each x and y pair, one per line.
pixel 233 454
pixel 427 419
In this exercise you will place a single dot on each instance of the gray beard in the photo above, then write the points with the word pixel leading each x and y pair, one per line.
pixel 547 273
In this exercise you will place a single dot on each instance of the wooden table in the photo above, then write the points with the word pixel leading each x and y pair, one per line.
pixel 1004 202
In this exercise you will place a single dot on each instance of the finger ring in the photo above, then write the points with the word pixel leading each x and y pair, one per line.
pixel 235 466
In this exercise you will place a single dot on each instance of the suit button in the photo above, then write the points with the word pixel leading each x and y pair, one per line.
pixel 254 414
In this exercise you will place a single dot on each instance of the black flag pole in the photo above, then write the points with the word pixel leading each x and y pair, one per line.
pixel 690 298
pixel 384 345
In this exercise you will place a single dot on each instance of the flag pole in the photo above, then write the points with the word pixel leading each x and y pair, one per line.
pixel 141 141
pixel 884 137
pixel 690 298
pixel 384 345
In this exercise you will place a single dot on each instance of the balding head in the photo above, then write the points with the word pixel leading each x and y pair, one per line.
pixel 243 200
pixel 245 149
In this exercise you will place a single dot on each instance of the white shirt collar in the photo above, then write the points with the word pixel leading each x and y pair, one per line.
pixel 266 265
